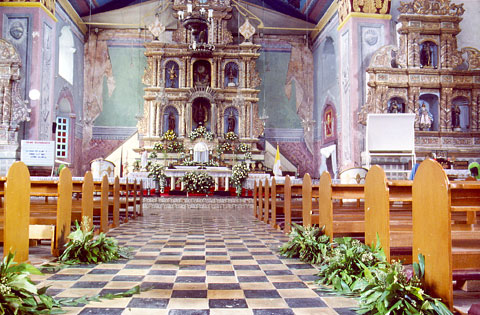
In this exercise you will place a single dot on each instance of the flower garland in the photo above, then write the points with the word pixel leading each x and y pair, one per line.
pixel 197 182
pixel 201 132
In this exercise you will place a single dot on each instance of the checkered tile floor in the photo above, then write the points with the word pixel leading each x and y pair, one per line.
pixel 199 262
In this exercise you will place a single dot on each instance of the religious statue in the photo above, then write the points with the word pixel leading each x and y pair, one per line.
pixel 425 57
pixel 172 75
pixel 231 123
pixel 202 76
pixel 393 107
pixel 200 114
pixel 455 116
pixel 426 118
pixel 171 121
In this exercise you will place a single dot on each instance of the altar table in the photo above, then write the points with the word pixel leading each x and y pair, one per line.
pixel 215 172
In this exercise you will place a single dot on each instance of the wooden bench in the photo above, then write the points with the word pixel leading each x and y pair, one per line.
pixel 102 203
pixel 451 249
pixel 15 211
pixel 51 210
pixel 388 214
pixel 337 215
pixel 82 203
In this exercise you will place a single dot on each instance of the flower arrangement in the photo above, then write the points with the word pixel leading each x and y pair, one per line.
pixel 169 147
pixel 197 182
pixel 248 155
pixel 243 148
pixel 156 171
pixel 201 132
pixel 169 135
pixel 239 174
pixel 231 136
pixel 153 155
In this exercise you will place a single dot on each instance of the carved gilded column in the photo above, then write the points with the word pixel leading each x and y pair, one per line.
pixel 413 50
pixel 247 73
pixel 475 115
pixel 412 104
pixel 445 123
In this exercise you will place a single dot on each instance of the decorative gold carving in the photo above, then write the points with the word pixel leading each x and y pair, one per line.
pixel 147 74
pixel 13 109
pixel 344 9
pixel 48 4
pixel 178 35
pixel 255 79
pixel 371 6
pixel 227 36
pixel 431 7
pixel 247 30
pixel 473 57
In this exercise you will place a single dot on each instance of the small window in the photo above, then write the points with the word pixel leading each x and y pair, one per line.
pixel 61 137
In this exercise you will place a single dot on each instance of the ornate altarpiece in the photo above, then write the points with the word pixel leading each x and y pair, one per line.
pixel 200 78
pixel 428 75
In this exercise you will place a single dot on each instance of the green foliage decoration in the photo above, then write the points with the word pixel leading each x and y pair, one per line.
pixel 83 247
pixel 389 289
pixel 20 296
pixel 310 244
pixel 346 263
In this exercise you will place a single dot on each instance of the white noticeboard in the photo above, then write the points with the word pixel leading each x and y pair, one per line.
pixel 38 153
pixel 390 133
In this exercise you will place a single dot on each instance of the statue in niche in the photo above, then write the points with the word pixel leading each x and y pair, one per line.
pixel 426 118
pixel 426 55
pixel 231 74
pixel 171 121
pixel 200 114
pixel 172 75
pixel 456 117
pixel 394 109
pixel 231 122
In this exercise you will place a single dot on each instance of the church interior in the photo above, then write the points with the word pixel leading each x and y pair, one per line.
pixel 150 89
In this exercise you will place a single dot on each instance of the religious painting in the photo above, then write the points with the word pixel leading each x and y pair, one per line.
pixel 171 74
pixel 396 105
pixel 328 122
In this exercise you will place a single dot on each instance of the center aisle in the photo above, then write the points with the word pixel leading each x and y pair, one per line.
pixel 199 261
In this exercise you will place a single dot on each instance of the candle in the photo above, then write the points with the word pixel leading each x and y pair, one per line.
pixel 189 8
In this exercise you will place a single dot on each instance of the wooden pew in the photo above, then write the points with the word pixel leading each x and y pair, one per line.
pixel 101 203
pixel 338 216
pixel 255 198
pixel 82 203
pixel 15 211
pixel 292 204
pixel 139 201
pixel 449 249
pixel 277 205
pixel 125 200
pixel 388 214
pixel 266 201
pixel 51 218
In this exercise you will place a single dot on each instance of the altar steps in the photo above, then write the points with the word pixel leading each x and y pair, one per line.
pixel 207 202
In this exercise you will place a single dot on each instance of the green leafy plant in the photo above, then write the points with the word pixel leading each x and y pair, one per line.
pixel 83 247
pixel 389 289
pixel 310 244
pixel 347 262
pixel 18 294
